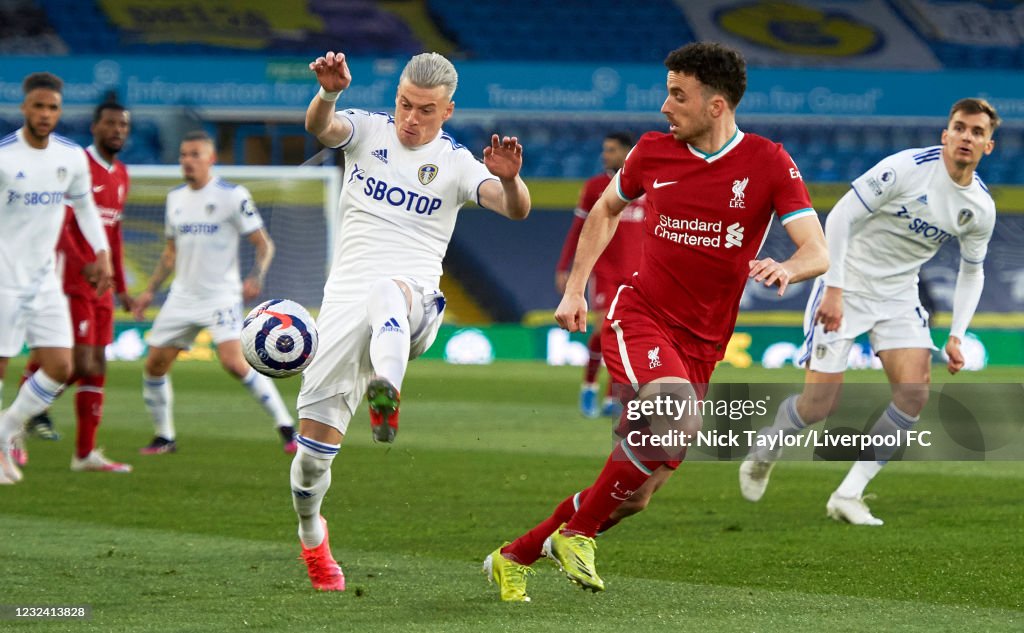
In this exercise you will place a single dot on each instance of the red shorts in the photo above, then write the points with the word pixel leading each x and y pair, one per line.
pixel 92 319
pixel 639 348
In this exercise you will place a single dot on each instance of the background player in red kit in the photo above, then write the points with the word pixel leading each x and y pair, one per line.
pixel 614 267
pixel 711 194
pixel 92 317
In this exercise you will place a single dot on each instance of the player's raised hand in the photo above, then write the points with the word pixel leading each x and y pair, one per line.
pixel 770 272
pixel 332 71
pixel 504 157
pixel 571 313
pixel 956 357
pixel 830 310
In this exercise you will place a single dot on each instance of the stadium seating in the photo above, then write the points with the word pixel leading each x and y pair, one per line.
pixel 566 30
pixel 588 30
pixel 533 30
pixel 569 30
pixel 144 145
pixel 25 30
pixel 362 25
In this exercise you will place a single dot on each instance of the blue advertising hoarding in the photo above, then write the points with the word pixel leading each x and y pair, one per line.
pixel 261 84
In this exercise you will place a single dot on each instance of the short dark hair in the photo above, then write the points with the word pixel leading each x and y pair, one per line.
pixel 972 105
pixel 624 139
pixel 718 67
pixel 197 135
pixel 97 114
pixel 48 81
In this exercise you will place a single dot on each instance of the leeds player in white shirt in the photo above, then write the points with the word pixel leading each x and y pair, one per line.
pixel 205 221
pixel 405 180
pixel 896 217
pixel 39 172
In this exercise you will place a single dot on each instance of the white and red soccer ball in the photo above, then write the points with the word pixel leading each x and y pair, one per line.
pixel 279 338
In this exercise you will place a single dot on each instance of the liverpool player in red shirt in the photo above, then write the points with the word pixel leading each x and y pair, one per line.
pixel 615 266
pixel 711 193
pixel 92 317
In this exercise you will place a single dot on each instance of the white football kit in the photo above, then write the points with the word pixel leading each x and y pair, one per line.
pixel 35 185
pixel 207 226
pixel 399 207
pixel 912 207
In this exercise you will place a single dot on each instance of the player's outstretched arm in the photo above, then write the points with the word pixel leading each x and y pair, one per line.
pixel 597 232
pixel 509 196
pixel 334 76
pixel 809 260
pixel 163 270
pixel 264 254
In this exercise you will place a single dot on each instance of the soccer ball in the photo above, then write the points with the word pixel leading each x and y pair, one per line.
pixel 279 338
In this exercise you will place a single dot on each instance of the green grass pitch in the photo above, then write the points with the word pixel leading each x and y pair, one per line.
pixel 204 540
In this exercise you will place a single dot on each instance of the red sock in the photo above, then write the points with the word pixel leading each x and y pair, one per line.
pixel 608 524
pixel 89 408
pixel 527 548
pixel 594 364
pixel 30 369
pixel 619 478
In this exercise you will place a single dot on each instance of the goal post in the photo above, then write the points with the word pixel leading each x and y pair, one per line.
pixel 299 206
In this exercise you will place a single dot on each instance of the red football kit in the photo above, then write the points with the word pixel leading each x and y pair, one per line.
pixel 707 217
pixel 621 258
pixel 92 317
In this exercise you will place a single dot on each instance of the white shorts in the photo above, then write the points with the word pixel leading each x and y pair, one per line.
pixel 41 320
pixel 180 320
pixel 892 324
pixel 335 382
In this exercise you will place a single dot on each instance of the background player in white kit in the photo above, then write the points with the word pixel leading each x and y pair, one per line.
pixel 206 218
pixel 405 180
pixel 39 172
pixel 896 217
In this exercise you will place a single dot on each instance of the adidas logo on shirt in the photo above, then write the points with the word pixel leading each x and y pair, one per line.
pixel 381 155
pixel 20 176
pixel 391 325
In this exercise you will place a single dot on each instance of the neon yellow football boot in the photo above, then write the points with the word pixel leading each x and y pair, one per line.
pixel 574 554
pixel 510 576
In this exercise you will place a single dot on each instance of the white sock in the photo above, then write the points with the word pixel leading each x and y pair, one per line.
pixel 857 479
pixel 787 422
pixel 390 337
pixel 159 399
pixel 265 392
pixel 891 422
pixel 310 479
pixel 35 396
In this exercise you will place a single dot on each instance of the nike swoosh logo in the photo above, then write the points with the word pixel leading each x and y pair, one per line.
pixel 98 188
pixel 659 185
pixel 286 320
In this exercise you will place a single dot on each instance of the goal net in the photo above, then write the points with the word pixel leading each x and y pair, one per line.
pixel 299 206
